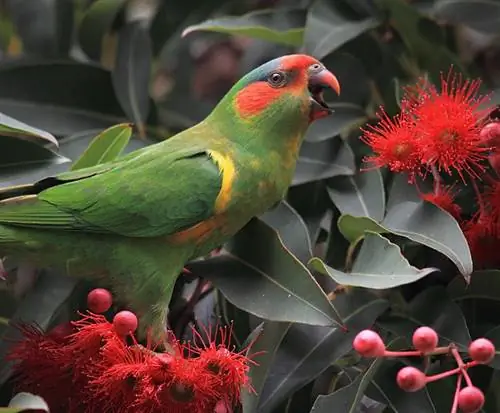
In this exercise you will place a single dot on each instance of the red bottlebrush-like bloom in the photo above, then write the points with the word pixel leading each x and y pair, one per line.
pixel 393 143
pixel 41 365
pixel 482 234
pixel 444 198
pixel 95 370
pixel 448 125
pixel 227 370
pixel 491 201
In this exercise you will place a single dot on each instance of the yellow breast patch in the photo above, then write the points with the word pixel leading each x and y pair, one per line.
pixel 227 170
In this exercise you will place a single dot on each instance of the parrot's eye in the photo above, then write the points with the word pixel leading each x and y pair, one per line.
pixel 276 79
pixel 316 67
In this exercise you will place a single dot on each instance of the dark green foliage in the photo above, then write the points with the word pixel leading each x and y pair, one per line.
pixel 83 67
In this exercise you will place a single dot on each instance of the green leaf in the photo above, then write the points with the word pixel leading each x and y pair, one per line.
pixel 292 230
pixel 429 225
pixel 285 26
pixel 323 160
pixel 271 283
pixel 432 307
pixel 421 222
pixel 105 147
pixel 270 337
pixel 327 29
pixel 379 265
pixel 31 92
pixel 307 351
pixel 384 388
pixel 348 398
pixel 432 53
pixel 25 401
pixel 481 15
pixel 97 22
pixel 352 228
pixel 22 161
pixel 345 115
pixel 360 195
pixel 484 285
pixel 132 72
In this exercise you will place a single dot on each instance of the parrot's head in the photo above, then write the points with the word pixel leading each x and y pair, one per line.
pixel 288 89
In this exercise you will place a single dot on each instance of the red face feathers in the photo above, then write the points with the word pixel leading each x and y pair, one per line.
pixel 299 78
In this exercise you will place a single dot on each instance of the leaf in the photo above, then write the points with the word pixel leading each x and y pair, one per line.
pixel 481 15
pixel 385 389
pixel 360 195
pixel 12 127
pixel 267 344
pixel 31 92
pixel 327 29
pixel 22 161
pixel 97 22
pixel 292 230
pixel 132 72
pixel 38 307
pixel 26 401
pixel 483 285
pixel 379 265
pixel 494 336
pixel 267 281
pixel 283 27
pixel 323 160
pixel 431 53
pixel 345 115
pixel 429 225
pixel 352 228
pixel 432 307
pixel 307 351
pixel 348 398
pixel 105 147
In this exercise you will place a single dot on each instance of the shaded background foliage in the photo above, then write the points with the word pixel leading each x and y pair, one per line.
pixel 70 69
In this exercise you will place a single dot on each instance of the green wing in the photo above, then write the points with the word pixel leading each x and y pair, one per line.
pixel 159 192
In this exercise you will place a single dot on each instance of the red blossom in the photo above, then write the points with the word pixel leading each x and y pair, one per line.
pixel 448 125
pixel 482 234
pixel 393 143
pixel 444 198
pixel 226 369
pixel 41 365
pixel 95 370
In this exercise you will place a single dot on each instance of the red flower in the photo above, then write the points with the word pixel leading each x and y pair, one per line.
pixel 448 125
pixel 227 370
pixel 41 365
pixel 482 234
pixel 491 201
pixel 444 198
pixel 393 143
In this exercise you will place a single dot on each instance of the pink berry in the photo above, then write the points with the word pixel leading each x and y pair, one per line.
pixel 425 339
pixel 125 322
pixel 410 379
pixel 470 399
pixel 369 344
pixel 99 300
pixel 482 350
pixel 490 133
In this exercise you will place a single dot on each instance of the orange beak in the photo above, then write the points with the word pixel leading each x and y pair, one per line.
pixel 317 83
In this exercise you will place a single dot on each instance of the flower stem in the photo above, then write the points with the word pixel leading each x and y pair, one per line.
pixel 461 365
pixel 454 408
pixel 437 179
pixel 451 372
pixel 416 353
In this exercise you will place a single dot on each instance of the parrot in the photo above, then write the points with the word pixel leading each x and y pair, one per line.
pixel 133 223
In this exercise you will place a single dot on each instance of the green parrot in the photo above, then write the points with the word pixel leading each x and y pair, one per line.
pixel 133 223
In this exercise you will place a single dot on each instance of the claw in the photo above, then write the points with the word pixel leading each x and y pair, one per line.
pixel 186 271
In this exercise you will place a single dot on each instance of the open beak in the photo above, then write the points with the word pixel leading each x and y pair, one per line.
pixel 318 82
